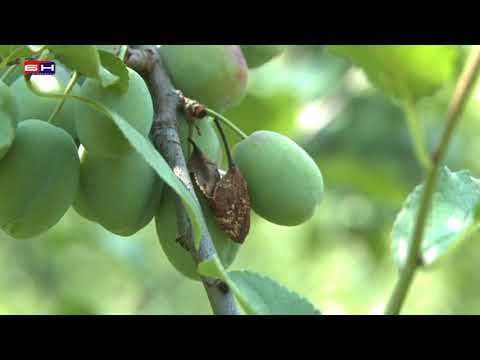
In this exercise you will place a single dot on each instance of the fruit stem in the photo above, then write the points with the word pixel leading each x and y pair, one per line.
pixel 227 122
pixel 457 104
pixel 418 137
pixel 231 163
pixel 69 88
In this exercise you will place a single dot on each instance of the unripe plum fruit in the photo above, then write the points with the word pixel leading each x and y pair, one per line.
pixel 207 141
pixel 258 55
pixel 32 106
pixel 284 182
pixel 8 118
pixel 180 258
pixel 214 75
pixel 97 132
pixel 39 179
pixel 120 194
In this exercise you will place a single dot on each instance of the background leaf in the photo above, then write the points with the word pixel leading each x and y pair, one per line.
pixel 452 216
pixel 82 58
pixel 404 71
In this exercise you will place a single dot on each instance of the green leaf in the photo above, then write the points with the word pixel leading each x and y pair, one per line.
pixel 117 68
pixel 107 79
pixel 452 216
pixel 268 297
pixel 158 163
pixel 257 294
pixel 212 268
pixel 409 72
pixel 82 58
pixel 112 49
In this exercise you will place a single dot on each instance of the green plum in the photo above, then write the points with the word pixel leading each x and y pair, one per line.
pixel 32 106
pixel 181 259
pixel 97 132
pixel 214 75
pixel 39 179
pixel 120 194
pixel 284 182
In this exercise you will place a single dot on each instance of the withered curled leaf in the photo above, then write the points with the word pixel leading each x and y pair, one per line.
pixel 204 172
pixel 226 196
pixel 231 205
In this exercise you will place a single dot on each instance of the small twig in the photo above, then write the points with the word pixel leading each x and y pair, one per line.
pixel 460 96
pixel 67 90
pixel 227 122
pixel 145 60
pixel 225 143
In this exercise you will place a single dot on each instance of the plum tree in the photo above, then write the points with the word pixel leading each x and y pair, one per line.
pixel 285 184
pixel 39 179
pixel 180 258
pixel 258 55
pixel 97 132
pixel 120 194
pixel 33 106
pixel 8 118
pixel 207 140
pixel 215 75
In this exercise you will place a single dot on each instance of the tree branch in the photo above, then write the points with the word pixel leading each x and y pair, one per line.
pixel 146 61
pixel 460 97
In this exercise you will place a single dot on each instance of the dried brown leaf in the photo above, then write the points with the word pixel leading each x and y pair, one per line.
pixel 204 172
pixel 231 205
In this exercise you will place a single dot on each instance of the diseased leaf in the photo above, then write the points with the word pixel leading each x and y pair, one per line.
pixel 231 205
pixel 204 172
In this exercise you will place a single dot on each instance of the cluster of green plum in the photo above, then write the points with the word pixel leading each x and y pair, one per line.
pixel 81 159
pixel 43 173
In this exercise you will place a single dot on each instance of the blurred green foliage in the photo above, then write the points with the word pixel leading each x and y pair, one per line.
pixel 340 260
